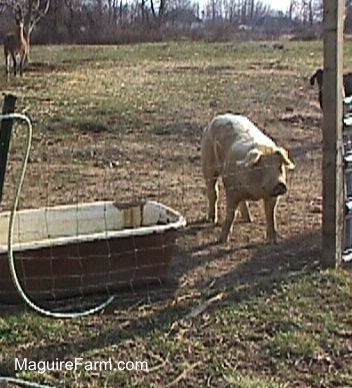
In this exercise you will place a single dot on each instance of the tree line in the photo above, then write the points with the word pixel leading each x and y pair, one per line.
pixel 127 21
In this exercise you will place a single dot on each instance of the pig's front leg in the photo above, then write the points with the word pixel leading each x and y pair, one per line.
pixel 270 205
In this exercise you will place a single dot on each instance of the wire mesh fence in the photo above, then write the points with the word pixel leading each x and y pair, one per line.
pixel 70 169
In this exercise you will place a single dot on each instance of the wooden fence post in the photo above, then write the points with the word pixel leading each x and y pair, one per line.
pixel 333 197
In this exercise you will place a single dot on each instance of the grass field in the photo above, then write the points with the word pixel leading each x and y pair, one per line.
pixel 124 123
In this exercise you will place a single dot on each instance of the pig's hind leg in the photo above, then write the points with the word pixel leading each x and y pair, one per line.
pixel 245 214
pixel 231 206
pixel 213 195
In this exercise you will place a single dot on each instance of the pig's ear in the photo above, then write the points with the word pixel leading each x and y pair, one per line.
pixel 285 159
pixel 252 158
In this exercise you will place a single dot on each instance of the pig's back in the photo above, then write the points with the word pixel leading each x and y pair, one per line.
pixel 241 135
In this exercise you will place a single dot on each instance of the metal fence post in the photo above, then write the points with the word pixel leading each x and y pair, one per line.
pixel 5 138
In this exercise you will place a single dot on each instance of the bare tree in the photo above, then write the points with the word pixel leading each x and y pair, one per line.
pixel 306 11
pixel 72 18
pixel 348 18
pixel 32 12
pixel 161 11
pixel 292 9
pixel 16 43
pixel 251 11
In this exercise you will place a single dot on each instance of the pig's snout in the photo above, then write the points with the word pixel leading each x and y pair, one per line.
pixel 279 189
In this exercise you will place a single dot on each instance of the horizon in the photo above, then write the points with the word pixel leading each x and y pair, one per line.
pixel 277 5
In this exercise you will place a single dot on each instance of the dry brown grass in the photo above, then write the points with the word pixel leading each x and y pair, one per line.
pixel 125 122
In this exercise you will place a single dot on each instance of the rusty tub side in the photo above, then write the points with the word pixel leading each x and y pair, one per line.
pixel 104 247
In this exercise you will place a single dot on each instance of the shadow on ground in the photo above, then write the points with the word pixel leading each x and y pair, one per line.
pixel 267 267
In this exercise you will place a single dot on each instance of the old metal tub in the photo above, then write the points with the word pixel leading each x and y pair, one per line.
pixel 73 250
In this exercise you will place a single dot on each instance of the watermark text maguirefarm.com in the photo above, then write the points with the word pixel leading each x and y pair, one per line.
pixel 79 363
